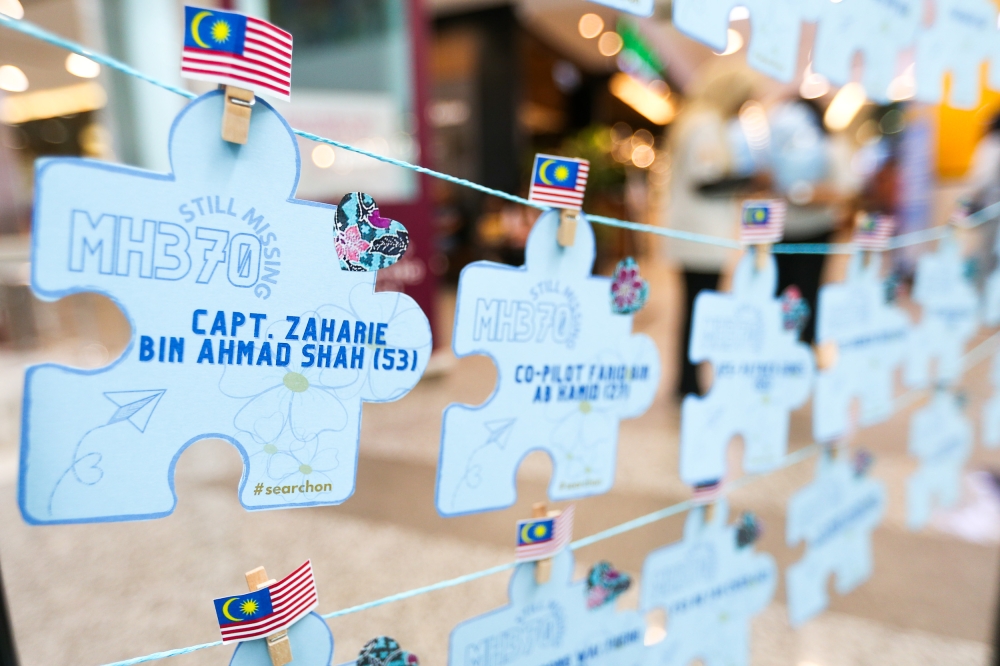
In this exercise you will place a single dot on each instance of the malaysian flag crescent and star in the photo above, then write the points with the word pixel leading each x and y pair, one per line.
pixel 541 538
pixel 559 182
pixel 267 611
pixel 872 231
pixel 762 222
pixel 237 50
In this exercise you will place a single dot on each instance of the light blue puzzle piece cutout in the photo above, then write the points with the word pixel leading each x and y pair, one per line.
pixel 637 7
pixel 941 438
pixel 310 638
pixel 775 30
pixel 991 290
pixel 991 409
pixel 568 370
pixel 949 316
pixel 710 589
pixel 208 264
pixel 835 516
pixel 961 38
pixel 761 372
pixel 549 624
pixel 871 339
pixel 879 29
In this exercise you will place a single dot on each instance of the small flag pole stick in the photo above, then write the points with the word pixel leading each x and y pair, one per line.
pixel 566 234
pixel 278 646
pixel 236 115
pixel 543 568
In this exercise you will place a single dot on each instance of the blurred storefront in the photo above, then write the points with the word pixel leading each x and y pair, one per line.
pixel 357 77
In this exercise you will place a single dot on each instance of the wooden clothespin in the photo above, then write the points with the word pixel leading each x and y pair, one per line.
pixel 761 254
pixel 278 646
pixel 566 234
pixel 236 114
pixel 560 182
pixel 543 568
pixel 827 354
pixel 762 223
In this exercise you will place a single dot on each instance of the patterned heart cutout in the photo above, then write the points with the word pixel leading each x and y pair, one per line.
pixel 385 651
pixel 605 584
pixel 365 240
pixel 629 292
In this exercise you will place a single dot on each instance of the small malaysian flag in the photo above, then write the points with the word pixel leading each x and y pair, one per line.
pixel 237 50
pixel 268 610
pixel 706 493
pixel 559 182
pixel 762 222
pixel 873 231
pixel 541 538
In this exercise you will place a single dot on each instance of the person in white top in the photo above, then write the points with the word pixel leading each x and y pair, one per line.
pixel 704 176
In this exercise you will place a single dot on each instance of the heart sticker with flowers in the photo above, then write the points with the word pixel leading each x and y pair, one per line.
pixel 385 651
pixel 365 240
pixel 605 584
pixel 629 292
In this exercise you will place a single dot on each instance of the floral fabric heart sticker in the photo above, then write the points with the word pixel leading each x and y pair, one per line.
pixel 605 584
pixel 629 292
pixel 385 651
pixel 795 310
pixel 365 240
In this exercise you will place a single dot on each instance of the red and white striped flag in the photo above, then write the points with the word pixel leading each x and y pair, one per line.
pixel 873 231
pixel 559 182
pixel 541 538
pixel 288 600
pixel 706 493
pixel 762 222
pixel 237 50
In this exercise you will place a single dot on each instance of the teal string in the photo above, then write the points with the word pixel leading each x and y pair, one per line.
pixel 903 240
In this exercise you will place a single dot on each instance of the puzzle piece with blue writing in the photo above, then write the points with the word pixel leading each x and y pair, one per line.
pixel 835 516
pixel 991 290
pixel 311 642
pixel 959 41
pixel 711 588
pixel 761 372
pixel 568 370
pixel 991 409
pixel 949 316
pixel 871 337
pixel 879 29
pixel 941 438
pixel 550 624
pixel 775 30
pixel 245 328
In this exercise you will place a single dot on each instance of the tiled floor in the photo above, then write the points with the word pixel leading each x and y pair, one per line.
pixel 88 594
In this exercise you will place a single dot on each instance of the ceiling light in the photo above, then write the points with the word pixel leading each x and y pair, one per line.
pixel 12 8
pixel 52 102
pixel 651 104
pixel 844 107
pixel 81 66
pixel 12 79
pixel 610 44
pixel 643 156
pixel 323 156
pixel 590 26
pixel 734 42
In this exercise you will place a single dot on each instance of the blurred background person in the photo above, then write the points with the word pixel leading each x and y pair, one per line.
pixel 811 169
pixel 706 179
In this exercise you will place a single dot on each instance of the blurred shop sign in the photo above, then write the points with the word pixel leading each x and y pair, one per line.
pixel 637 7
pixel 371 121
